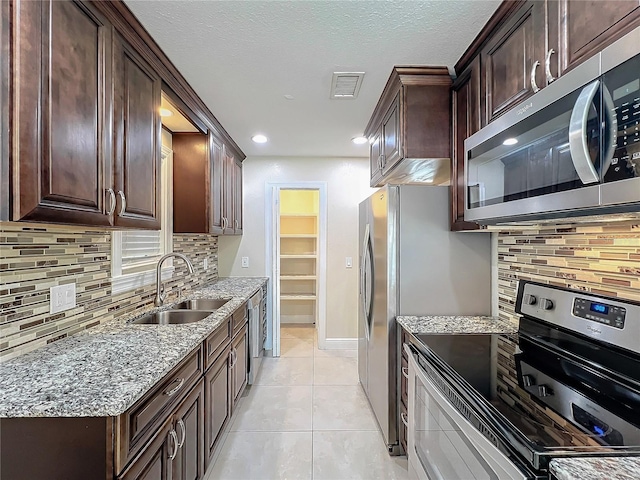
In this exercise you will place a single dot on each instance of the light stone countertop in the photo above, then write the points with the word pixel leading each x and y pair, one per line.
pixel 104 370
pixel 460 324
pixel 596 468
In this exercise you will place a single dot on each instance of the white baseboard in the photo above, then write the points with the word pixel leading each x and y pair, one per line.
pixel 340 344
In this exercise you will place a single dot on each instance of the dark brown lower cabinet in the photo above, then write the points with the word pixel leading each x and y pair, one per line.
pixel 217 383
pixel 154 462
pixel 189 427
pixel 240 350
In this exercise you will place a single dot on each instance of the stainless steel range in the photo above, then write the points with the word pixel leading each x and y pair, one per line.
pixel 500 406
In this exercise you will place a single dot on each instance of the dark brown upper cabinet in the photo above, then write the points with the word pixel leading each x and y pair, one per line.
pixel 580 29
pixel 137 127
pixel 207 185
pixel 510 61
pixel 61 161
pixel 466 121
pixel 411 121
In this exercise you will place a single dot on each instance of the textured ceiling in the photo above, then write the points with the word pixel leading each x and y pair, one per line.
pixel 243 57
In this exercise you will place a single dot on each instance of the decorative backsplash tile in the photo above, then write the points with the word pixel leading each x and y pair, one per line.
pixel 602 258
pixel 35 257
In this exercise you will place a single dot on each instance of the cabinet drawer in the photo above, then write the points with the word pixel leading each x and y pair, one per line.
pixel 239 318
pixel 136 425
pixel 217 342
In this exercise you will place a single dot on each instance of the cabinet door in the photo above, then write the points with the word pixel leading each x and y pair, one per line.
pixel 217 384
pixel 578 29
pixel 227 191
pixel 189 426
pixel 375 152
pixel 61 134
pixel 240 363
pixel 510 57
pixel 466 121
pixel 391 136
pixel 216 200
pixel 137 127
pixel 237 197
pixel 155 461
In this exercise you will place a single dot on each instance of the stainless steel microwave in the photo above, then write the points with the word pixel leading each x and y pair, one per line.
pixel 571 149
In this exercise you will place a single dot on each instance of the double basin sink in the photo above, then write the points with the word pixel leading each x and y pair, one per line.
pixel 188 311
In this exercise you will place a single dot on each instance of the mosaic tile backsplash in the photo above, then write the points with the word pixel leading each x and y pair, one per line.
pixel 34 258
pixel 600 258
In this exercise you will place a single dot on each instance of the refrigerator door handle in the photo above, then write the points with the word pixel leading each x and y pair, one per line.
pixel 366 294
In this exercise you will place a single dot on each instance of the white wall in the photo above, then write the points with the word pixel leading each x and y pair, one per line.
pixel 347 185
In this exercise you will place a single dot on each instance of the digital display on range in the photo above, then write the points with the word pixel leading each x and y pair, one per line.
pixel 599 308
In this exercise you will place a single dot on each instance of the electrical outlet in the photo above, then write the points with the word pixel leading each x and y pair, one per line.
pixel 245 262
pixel 349 262
pixel 62 297
pixel 205 263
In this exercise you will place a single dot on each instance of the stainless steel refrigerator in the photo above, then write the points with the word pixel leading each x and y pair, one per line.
pixel 411 264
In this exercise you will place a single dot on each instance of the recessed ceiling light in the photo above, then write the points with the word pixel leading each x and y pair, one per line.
pixel 510 141
pixel 165 112
pixel 289 97
pixel 259 138
pixel 359 140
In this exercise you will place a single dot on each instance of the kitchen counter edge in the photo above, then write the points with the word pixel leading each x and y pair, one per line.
pixel 455 324
pixel 595 468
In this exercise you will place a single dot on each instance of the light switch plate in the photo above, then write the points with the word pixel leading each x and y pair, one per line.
pixel 349 262
pixel 245 262
pixel 62 297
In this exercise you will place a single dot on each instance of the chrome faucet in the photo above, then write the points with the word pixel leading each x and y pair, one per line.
pixel 159 289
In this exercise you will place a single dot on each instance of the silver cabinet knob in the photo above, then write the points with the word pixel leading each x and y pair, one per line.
pixel 547 66
pixel 123 203
pixel 534 85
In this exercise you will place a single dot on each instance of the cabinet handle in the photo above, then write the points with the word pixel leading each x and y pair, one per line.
pixel 405 372
pixel 237 226
pixel 180 382
pixel 172 435
pixel 231 359
pixel 112 201
pixel 534 85
pixel 183 428
pixel 547 66
pixel 224 223
pixel 405 419
pixel 123 204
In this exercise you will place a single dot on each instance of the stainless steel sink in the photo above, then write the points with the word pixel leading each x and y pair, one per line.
pixel 173 317
pixel 202 304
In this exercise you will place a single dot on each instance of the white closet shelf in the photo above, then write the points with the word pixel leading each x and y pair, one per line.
pixel 297 277
pixel 298 215
pixel 290 296
pixel 310 256
pixel 298 235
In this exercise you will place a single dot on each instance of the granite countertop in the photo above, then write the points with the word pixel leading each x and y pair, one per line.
pixel 596 468
pixel 443 324
pixel 104 370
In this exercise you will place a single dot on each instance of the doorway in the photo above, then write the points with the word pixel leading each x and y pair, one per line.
pixel 296 257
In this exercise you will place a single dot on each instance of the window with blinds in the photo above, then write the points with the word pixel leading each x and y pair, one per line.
pixel 139 248
pixel 135 253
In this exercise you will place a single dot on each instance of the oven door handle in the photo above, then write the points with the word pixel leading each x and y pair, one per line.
pixel 578 135
pixel 495 459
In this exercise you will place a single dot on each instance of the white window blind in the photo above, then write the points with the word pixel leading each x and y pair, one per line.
pixel 140 247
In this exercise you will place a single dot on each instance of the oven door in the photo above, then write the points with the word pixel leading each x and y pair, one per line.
pixel 442 443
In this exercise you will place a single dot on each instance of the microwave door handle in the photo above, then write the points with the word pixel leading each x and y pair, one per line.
pixel 578 135
pixel 611 122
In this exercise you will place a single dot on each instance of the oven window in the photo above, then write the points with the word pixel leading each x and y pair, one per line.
pixel 442 449
pixel 533 157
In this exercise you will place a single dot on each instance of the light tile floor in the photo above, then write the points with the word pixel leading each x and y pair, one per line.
pixel 306 417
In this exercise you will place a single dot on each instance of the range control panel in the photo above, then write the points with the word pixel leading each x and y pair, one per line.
pixel 600 312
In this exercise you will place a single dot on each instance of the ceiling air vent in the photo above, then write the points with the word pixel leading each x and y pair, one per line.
pixel 346 85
